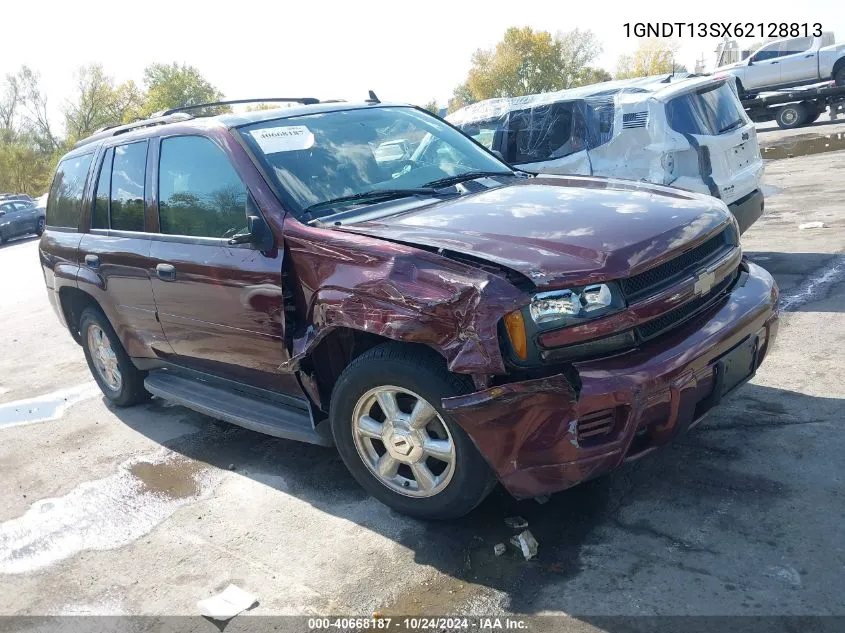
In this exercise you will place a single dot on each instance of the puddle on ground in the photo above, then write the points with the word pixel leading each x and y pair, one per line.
pixel 106 513
pixel 176 479
pixel 50 406
pixel 804 145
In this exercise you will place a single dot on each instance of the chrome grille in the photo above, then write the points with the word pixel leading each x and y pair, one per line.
pixel 652 280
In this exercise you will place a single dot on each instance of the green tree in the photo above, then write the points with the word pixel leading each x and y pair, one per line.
pixel 174 85
pixel 461 96
pixel 432 107
pixel 98 102
pixel 527 62
pixel 652 57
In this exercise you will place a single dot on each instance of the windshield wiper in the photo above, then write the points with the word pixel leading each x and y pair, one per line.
pixel 731 126
pixel 377 194
pixel 470 175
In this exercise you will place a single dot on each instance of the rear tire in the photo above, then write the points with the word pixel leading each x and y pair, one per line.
pixel 791 116
pixel 118 379
pixel 421 465
pixel 839 76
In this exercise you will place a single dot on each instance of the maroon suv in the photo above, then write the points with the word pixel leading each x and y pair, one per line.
pixel 442 319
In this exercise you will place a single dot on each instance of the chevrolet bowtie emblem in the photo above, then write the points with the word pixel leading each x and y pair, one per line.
pixel 704 283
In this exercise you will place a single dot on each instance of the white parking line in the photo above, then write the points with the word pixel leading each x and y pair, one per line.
pixel 49 406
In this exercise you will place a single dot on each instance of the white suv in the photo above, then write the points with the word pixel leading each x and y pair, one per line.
pixel 686 132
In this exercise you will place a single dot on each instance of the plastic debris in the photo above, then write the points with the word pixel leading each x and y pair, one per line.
pixel 227 604
pixel 516 523
pixel 812 225
pixel 526 543
pixel 499 549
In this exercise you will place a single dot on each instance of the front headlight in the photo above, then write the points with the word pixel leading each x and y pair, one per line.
pixel 569 306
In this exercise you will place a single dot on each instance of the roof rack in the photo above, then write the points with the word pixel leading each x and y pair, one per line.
pixel 181 113
pixel 302 100
pixel 114 130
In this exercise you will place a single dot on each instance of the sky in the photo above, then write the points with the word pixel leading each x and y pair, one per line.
pixel 408 52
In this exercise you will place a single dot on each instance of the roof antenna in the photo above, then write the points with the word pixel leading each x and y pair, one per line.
pixel 373 98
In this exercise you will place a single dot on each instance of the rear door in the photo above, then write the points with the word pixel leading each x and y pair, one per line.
pixel 798 61
pixel 221 305
pixel 114 264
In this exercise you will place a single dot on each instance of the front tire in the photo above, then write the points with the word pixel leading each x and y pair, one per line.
pixel 396 439
pixel 118 379
pixel 39 227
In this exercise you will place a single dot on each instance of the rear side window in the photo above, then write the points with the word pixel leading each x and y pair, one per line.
pixel 127 187
pixel 100 216
pixel 200 194
pixel 64 203
pixel 795 46
pixel 710 112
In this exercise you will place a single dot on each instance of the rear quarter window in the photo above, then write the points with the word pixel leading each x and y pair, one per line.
pixel 64 204
pixel 707 112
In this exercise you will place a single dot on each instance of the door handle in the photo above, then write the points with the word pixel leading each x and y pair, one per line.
pixel 808 56
pixel 166 272
pixel 92 261
pixel 775 63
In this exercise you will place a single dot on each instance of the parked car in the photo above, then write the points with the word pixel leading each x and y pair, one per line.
pixel 690 133
pixel 447 323
pixel 15 196
pixel 20 217
pixel 794 61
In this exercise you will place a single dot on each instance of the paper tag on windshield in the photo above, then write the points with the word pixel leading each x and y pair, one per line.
pixel 288 138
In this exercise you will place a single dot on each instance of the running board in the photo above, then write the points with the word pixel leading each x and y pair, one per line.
pixel 255 414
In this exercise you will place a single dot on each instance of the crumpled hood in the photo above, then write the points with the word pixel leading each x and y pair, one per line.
pixel 560 230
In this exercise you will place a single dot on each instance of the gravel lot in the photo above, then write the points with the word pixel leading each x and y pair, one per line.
pixel 150 509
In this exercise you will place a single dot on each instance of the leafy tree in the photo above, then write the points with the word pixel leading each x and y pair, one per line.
pixel 652 57
pixel 98 102
pixel 432 107
pixel 527 62
pixel 461 96
pixel 174 85
pixel 36 120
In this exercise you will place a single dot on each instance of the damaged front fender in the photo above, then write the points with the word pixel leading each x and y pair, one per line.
pixel 398 292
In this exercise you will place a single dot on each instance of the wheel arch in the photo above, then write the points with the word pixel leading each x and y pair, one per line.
pixel 73 302
pixel 326 359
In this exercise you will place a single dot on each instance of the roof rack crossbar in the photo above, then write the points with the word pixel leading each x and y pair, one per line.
pixel 302 100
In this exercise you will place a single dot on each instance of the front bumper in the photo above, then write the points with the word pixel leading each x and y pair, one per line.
pixel 748 209
pixel 532 432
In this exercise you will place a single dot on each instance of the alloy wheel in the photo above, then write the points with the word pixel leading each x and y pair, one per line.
pixel 105 360
pixel 403 441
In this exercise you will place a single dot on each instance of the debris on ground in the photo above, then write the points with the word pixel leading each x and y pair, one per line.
pixel 812 225
pixel 227 604
pixel 499 549
pixel 542 499
pixel 516 523
pixel 526 543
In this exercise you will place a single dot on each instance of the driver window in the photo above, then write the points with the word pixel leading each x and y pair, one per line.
pixel 200 194
pixel 766 53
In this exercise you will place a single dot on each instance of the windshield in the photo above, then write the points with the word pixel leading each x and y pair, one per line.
pixel 710 112
pixel 322 157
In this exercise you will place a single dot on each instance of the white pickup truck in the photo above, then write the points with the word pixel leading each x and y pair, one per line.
pixel 789 62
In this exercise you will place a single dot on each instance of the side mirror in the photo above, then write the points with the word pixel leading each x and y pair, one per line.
pixel 750 61
pixel 2 213
pixel 259 236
